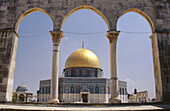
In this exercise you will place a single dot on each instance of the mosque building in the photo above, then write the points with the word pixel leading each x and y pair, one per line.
pixel 82 81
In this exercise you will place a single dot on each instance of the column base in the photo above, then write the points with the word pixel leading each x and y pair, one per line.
pixel 114 100
pixel 55 100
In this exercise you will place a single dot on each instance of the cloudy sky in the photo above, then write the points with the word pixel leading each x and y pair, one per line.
pixel 34 53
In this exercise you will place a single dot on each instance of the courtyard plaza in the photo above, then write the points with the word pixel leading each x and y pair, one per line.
pixel 83 107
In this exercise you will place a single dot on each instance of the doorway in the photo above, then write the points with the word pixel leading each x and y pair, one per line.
pixel 85 98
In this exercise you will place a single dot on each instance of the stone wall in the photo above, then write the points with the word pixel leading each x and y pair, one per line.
pixel 164 55
pixel 76 98
pixel 8 45
pixel 163 35
pixel 12 12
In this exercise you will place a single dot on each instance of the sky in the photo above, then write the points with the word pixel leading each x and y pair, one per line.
pixel 34 52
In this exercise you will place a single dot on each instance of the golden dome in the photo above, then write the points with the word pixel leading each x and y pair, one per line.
pixel 82 58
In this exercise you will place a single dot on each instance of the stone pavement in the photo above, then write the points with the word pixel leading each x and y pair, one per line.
pixel 61 107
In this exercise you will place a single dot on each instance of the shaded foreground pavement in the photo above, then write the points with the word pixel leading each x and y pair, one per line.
pixel 82 107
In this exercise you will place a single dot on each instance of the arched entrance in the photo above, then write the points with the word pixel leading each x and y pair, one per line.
pixel 85 95
pixel 21 98
pixel 14 97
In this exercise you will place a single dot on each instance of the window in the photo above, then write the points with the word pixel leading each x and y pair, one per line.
pixel 102 89
pixel 66 89
pixel 88 73
pixel 92 72
pixel 48 89
pixel 73 75
pixel 77 71
pixel 97 89
pixel 91 89
pixel 72 89
pixel 120 91
pixel 108 90
pixel 43 91
pixel 78 89
pixel 84 71
pixel 73 72
pixel 123 91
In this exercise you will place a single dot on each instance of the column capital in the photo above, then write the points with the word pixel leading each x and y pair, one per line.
pixel 56 36
pixel 112 36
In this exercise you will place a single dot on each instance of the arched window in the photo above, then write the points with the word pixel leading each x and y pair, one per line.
pixel 66 89
pixel 14 97
pixel 108 90
pixel 49 89
pixel 77 71
pixel 46 90
pixel 91 89
pixel 120 91
pixel 43 90
pixel 123 91
pixel 72 89
pixel 97 89
pixel 78 89
pixel 102 89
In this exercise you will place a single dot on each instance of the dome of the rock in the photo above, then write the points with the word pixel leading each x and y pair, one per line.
pixel 83 58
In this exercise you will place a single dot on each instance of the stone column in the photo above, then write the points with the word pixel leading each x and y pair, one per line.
pixel 8 50
pixel 157 69
pixel 112 36
pixel 56 37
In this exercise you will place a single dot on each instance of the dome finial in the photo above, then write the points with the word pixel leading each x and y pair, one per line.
pixel 83 44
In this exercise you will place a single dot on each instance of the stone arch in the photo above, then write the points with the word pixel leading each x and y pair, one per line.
pixel 21 97
pixel 19 17
pixel 155 52
pixel 85 90
pixel 91 89
pixel 32 10
pixel 14 97
pixel 89 8
pixel 138 12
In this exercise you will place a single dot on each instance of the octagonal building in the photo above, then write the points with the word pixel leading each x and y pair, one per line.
pixel 82 81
